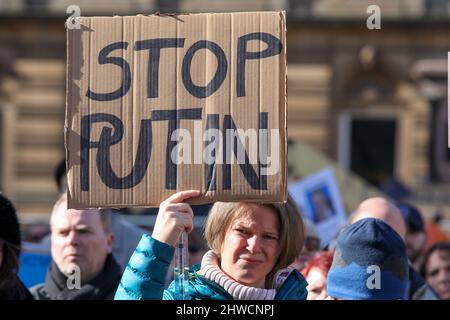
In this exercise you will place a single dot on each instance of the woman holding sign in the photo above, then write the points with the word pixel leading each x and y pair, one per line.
pixel 251 247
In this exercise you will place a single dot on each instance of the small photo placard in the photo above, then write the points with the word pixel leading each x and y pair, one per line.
pixel 320 201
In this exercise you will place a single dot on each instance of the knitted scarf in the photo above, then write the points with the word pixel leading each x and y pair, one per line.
pixel 210 270
pixel 102 287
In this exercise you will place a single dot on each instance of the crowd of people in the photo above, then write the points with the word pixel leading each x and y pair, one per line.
pixel 248 251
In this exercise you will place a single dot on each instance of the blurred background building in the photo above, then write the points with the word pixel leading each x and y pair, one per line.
pixel 370 103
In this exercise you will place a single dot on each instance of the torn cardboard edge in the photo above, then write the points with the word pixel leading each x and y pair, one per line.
pixel 93 107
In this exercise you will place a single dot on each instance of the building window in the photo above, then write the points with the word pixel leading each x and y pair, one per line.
pixel 372 153
pixel 367 146
pixel 439 151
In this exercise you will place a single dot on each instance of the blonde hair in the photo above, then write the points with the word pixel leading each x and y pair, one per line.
pixel 291 230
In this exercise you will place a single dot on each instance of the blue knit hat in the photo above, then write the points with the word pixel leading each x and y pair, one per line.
pixel 370 263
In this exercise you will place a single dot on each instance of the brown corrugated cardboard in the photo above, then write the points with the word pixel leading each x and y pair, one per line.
pixel 149 98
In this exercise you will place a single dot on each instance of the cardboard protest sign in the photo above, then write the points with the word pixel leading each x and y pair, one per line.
pixel 158 104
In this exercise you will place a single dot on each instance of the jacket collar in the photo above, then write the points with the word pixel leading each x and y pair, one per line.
pixel 293 288
pixel 101 287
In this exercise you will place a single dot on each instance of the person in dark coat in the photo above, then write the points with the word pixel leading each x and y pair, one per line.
pixel 11 288
pixel 83 267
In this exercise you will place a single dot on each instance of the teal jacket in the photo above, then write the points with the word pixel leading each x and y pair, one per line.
pixel 147 269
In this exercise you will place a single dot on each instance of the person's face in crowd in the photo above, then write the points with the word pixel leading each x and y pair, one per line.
pixel 78 238
pixel 415 244
pixel 438 273
pixel 251 245
pixel 317 283
pixel 320 204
